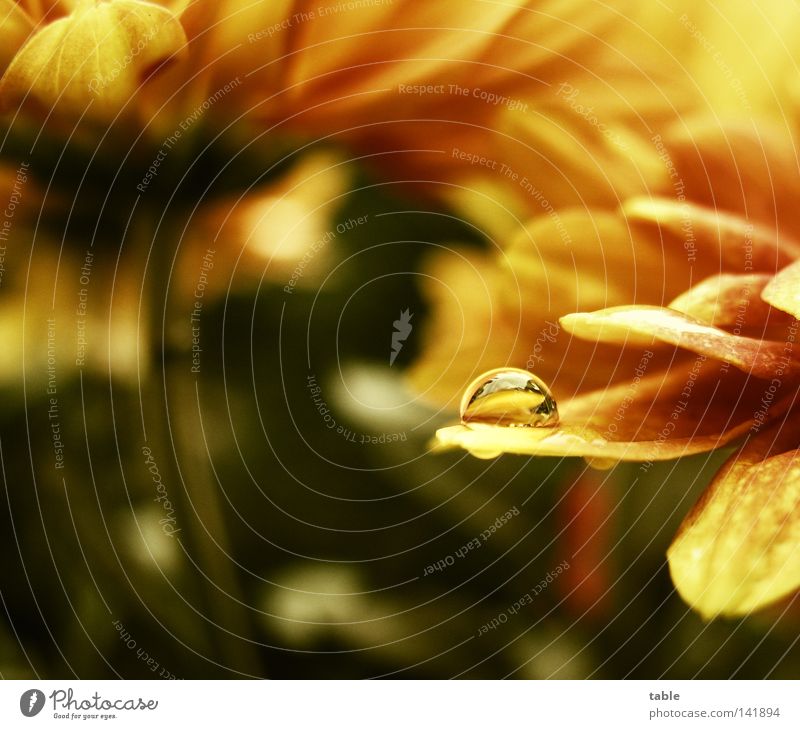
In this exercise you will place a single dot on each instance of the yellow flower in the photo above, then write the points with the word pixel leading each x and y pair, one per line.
pixel 508 99
pixel 429 93
pixel 718 364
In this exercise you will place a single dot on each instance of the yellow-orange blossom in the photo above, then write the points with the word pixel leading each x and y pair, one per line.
pixel 718 364
pixel 130 62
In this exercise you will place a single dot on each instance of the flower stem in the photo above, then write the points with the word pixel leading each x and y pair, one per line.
pixel 176 401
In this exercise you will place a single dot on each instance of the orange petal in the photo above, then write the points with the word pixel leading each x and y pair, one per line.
pixel 503 310
pixel 586 259
pixel 783 292
pixel 564 440
pixel 344 59
pixel 742 168
pixel 714 240
pixel 229 38
pixel 691 409
pixel 554 154
pixel 739 548
pixel 646 325
pixel 470 330
pixel 730 300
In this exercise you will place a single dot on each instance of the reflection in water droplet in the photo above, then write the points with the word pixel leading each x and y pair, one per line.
pixel 510 397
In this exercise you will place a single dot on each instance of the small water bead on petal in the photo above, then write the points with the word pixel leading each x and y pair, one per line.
pixel 509 397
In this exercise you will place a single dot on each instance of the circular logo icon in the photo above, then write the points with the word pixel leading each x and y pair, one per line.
pixel 31 702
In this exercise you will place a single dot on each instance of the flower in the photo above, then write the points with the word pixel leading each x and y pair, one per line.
pixel 637 380
pixel 506 83
pixel 131 88
pixel 490 106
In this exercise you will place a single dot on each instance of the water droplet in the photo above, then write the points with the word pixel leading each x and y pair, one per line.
pixel 511 397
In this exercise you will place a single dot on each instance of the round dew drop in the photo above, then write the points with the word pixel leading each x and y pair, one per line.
pixel 509 397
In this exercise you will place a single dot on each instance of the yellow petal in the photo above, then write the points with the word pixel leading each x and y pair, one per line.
pixel 96 57
pixel 743 168
pixel 503 309
pixel 555 152
pixel 783 292
pixel 691 409
pixel 723 241
pixel 487 441
pixel 739 548
pixel 646 325
pixel 726 300
pixel 230 38
pixel 587 259
pixel 15 26
pixel 376 46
